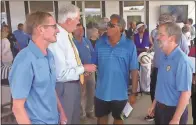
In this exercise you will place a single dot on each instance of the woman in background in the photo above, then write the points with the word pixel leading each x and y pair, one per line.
pixel 143 44
pixel 94 36
pixel 7 56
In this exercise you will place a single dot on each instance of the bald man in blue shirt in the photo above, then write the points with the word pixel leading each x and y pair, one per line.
pixel 174 79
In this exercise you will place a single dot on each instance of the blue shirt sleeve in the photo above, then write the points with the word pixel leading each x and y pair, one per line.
pixel 184 76
pixel 133 59
pixel 21 78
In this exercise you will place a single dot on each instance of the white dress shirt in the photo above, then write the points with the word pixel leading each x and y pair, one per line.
pixel 65 61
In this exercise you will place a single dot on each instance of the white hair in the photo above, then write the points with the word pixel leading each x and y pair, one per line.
pixel 67 11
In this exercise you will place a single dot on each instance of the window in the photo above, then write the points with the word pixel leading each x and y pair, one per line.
pixel 92 13
pixel 3 13
pixel 2 6
pixel 133 6
pixel 46 6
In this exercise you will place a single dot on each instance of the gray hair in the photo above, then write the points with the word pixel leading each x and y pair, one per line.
pixel 173 29
pixel 67 11
pixel 102 25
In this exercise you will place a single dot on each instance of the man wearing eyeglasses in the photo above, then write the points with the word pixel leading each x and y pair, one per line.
pixel 32 77
pixel 115 57
pixel 69 69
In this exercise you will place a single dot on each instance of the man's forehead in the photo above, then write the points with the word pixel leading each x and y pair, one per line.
pixel 114 21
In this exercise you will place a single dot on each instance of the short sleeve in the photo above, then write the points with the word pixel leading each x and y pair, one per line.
pixel 21 78
pixel 133 59
pixel 184 76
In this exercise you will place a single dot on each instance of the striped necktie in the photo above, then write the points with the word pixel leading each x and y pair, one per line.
pixel 76 56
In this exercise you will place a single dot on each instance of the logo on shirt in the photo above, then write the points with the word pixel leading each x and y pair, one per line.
pixel 168 67
pixel 87 46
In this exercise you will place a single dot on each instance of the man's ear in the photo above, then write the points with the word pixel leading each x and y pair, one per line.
pixel 172 38
pixel 68 21
pixel 40 29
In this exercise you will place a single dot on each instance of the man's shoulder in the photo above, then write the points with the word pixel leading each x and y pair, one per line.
pixel 128 43
pixel 25 56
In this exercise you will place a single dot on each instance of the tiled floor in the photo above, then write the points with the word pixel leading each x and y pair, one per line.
pixel 138 114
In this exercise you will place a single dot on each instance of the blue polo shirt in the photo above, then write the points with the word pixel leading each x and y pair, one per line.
pixel 85 49
pixel 174 77
pixel 33 78
pixel 22 39
pixel 114 65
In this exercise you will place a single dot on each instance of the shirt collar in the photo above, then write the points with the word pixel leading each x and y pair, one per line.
pixel 61 29
pixel 78 41
pixel 173 53
pixel 36 51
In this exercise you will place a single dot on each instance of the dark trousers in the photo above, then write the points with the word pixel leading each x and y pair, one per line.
pixel 153 82
pixel 194 103
pixel 164 114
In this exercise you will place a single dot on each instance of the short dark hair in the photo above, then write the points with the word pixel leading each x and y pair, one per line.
pixel 190 20
pixel 19 25
pixel 121 22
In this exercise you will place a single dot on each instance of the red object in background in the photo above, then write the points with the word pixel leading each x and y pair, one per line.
pixel 192 52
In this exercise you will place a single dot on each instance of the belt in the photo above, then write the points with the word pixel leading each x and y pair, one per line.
pixel 161 105
pixel 74 81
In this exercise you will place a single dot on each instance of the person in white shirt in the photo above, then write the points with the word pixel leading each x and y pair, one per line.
pixel 68 70
pixel 7 57
pixel 186 31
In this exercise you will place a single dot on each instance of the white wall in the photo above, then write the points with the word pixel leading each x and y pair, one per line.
pixel 111 7
pixel 17 13
pixel 154 10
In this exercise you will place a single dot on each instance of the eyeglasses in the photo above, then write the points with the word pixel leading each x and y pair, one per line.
pixel 53 26
pixel 111 25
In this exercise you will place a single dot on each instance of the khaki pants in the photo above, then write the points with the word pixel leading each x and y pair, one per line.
pixel 87 95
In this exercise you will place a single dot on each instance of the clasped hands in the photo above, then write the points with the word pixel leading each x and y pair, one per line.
pixel 89 69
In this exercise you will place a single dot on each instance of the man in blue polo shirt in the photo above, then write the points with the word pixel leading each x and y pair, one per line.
pixel 21 37
pixel 32 78
pixel 174 78
pixel 115 57
pixel 86 50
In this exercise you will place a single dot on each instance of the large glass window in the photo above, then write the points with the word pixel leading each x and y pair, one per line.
pixel 3 13
pixel 46 6
pixel 92 13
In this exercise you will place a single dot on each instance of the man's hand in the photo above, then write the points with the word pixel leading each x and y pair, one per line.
pixel 63 118
pixel 90 67
pixel 132 99
pixel 174 122
pixel 151 111
pixel 87 73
